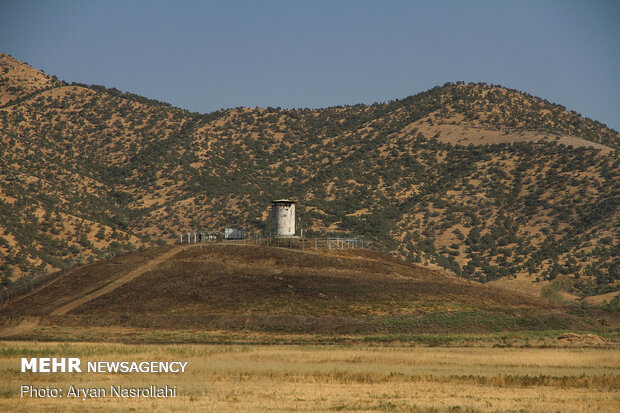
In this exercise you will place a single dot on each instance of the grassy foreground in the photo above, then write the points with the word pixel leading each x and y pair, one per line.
pixel 356 377
pixel 609 337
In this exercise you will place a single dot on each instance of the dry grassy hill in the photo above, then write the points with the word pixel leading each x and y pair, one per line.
pixel 488 182
pixel 267 289
pixel 19 81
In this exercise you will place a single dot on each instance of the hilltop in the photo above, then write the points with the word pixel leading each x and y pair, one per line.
pixel 488 182
pixel 251 288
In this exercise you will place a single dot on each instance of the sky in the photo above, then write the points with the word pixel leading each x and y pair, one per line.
pixel 207 55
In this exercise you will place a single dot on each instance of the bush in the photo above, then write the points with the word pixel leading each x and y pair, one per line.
pixel 551 292
pixel 613 304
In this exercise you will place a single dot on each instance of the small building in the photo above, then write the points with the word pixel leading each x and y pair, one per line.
pixel 283 217
pixel 233 233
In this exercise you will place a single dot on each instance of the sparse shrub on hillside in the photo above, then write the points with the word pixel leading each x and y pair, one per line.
pixel 502 210
pixel 551 292
pixel 613 304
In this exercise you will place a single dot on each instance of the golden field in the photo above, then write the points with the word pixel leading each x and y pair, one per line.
pixel 331 378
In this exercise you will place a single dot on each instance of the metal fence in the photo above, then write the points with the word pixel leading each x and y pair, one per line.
pixel 341 243
pixel 306 243
pixel 23 285
pixel 316 243
pixel 28 283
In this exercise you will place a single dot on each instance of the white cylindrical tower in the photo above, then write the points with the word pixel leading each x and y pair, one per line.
pixel 283 217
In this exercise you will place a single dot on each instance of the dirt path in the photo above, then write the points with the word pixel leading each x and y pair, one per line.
pixel 27 324
pixel 116 283
pixel 30 323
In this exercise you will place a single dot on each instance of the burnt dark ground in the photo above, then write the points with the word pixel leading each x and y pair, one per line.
pixel 265 289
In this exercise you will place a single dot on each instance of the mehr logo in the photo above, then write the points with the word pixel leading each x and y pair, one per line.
pixel 72 364
pixel 51 365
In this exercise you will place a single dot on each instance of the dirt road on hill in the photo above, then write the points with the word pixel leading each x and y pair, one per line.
pixel 132 275
pixel 29 323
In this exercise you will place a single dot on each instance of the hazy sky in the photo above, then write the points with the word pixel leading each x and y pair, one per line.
pixel 207 55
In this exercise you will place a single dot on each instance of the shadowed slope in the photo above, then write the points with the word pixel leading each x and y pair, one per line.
pixel 255 288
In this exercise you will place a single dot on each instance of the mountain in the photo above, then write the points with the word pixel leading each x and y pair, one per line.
pixel 488 182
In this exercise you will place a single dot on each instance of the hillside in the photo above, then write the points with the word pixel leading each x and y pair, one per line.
pixel 486 181
pixel 266 289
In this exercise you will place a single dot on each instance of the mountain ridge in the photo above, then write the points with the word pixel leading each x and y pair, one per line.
pixel 9 62
pixel 471 177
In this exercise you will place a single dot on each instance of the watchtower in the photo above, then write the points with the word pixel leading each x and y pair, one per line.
pixel 283 217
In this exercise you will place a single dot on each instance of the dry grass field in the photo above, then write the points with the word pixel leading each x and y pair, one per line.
pixel 332 378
